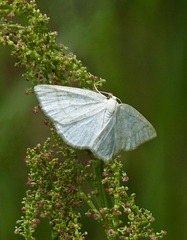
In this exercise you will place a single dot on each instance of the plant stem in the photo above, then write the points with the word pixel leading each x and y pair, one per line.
pixel 104 200
pixel 54 235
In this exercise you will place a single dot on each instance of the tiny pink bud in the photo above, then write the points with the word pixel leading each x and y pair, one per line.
pixel 26 92
pixel 37 221
pixel 73 226
pixel 103 181
pixel 107 190
pixel 35 111
pixel 86 161
pixel 59 205
pixel 40 203
pixel 125 179
pixel 128 210
pixel 105 174
pixel 101 210
pixel 23 209
pixel 152 219
pixel 11 15
pixel 111 232
pixel 96 216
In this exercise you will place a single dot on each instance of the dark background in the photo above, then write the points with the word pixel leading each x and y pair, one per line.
pixel 139 47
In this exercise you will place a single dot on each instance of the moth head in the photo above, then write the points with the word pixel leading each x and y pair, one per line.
pixel 114 98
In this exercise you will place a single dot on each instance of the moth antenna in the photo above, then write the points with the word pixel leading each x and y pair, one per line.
pixel 98 90
pixel 119 99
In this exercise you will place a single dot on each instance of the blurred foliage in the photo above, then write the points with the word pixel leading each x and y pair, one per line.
pixel 139 48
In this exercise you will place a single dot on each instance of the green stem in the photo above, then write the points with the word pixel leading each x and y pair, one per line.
pixel 103 199
pixel 54 235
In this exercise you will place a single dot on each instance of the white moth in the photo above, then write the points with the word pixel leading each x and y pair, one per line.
pixel 89 120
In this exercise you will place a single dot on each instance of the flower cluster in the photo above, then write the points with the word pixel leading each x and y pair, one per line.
pixel 120 206
pixel 54 192
pixel 36 49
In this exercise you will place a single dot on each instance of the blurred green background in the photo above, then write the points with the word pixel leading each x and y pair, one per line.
pixel 140 48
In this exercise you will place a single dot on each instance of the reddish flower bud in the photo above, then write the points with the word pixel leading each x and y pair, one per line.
pixel 107 190
pixel 101 210
pixel 103 181
pixel 105 174
pixel 125 179
pixel 11 15
pixel 95 216
pixel 152 219
pixel 37 221
pixel 35 111
pixel 23 209
pixel 111 232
